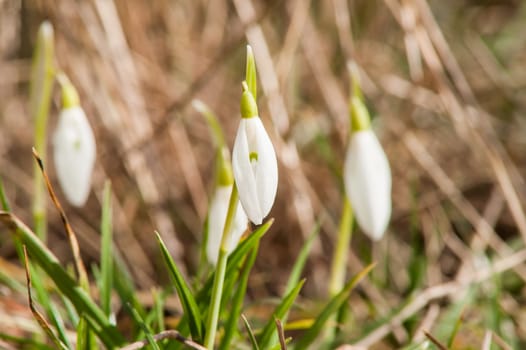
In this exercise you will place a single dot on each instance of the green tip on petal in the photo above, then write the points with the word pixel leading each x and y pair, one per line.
pixel 251 77
pixel 360 119
pixel 70 96
pixel 354 72
pixel 224 175
pixel 249 107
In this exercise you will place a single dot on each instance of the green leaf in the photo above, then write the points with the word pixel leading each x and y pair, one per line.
pixel 147 331
pixel 237 303
pixel 65 283
pixel 297 269
pixel 251 76
pixel 106 252
pixel 331 308
pixel 234 259
pixel 185 295
pixel 3 198
pixel 280 311
pixel 250 334
pixel 85 339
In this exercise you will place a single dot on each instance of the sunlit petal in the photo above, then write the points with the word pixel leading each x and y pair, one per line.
pixel 368 183
pixel 74 154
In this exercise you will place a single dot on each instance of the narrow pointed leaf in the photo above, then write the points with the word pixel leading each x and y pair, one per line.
pixel 144 327
pixel 251 76
pixel 237 303
pixel 331 308
pixel 63 280
pixel 234 259
pixel 280 311
pixel 106 253
pixel 187 299
pixel 299 264
pixel 250 334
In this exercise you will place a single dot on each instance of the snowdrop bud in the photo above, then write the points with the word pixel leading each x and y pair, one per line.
pixel 74 148
pixel 367 175
pixel 254 162
pixel 216 223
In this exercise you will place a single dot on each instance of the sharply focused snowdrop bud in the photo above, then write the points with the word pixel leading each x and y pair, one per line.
pixel 216 223
pixel 254 162
pixel 367 174
pixel 73 148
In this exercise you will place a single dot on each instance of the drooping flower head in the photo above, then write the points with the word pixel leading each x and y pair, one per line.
pixel 253 157
pixel 367 175
pixel 73 148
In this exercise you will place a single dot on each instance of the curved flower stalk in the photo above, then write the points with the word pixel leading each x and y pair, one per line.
pixel 367 175
pixel 73 148
pixel 254 162
pixel 218 208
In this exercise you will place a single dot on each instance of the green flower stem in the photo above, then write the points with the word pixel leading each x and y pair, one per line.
pixel 217 289
pixel 42 76
pixel 339 262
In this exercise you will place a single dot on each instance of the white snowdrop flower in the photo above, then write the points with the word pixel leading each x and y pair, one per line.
pixel 254 162
pixel 73 149
pixel 367 175
pixel 216 223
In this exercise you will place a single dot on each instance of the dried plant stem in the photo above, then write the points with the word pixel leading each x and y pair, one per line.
pixel 81 270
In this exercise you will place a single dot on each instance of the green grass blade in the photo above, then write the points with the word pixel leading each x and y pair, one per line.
pixel 85 338
pixel 3 198
pixel 250 334
pixel 124 285
pixel 49 307
pixel 234 259
pixel 185 295
pixel 63 280
pixel 147 331
pixel 331 308
pixel 25 342
pixel 237 303
pixel 280 311
pixel 299 264
pixel 251 76
pixel 106 253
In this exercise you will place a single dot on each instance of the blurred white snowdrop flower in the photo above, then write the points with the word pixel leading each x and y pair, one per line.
pixel 216 223
pixel 367 175
pixel 218 208
pixel 73 148
pixel 254 162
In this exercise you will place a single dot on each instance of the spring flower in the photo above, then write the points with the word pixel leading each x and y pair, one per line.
pixel 367 175
pixel 218 208
pixel 74 148
pixel 254 162
pixel 216 223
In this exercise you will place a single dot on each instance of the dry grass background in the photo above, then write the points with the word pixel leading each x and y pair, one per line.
pixel 446 80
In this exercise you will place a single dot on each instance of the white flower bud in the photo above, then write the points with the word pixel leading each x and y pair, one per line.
pixel 74 154
pixel 367 178
pixel 255 168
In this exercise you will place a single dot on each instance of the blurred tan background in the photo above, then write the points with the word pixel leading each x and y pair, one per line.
pixel 444 80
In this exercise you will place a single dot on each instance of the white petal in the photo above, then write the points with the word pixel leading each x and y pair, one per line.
pixel 267 168
pixel 367 178
pixel 74 154
pixel 216 223
pixel 244 175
